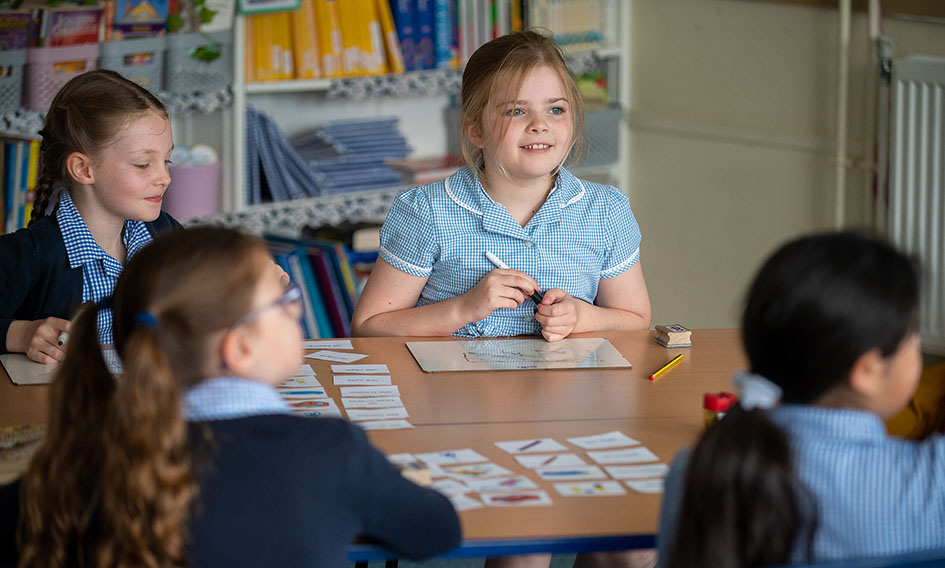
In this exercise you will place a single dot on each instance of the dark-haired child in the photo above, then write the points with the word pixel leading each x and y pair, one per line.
pixel 830 322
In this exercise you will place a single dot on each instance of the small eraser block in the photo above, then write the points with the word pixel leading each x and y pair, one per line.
pixel 416 472
pixel 673 335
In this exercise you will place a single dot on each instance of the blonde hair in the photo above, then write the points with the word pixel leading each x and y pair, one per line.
pixel 114 484
pixel 498 69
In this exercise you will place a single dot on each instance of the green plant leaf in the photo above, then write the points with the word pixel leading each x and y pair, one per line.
pixel 206 14
pixel 207 53
pixel 174 22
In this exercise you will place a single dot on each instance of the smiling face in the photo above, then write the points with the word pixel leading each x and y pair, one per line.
pixel 528 136
pixel 130 171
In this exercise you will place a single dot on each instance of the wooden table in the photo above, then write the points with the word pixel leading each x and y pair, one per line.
pixel 475 409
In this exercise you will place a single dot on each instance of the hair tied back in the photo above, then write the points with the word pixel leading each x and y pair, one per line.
pixel 755 391
pixel 146 318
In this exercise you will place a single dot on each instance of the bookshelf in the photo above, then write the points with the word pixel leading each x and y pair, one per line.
pixel 419 99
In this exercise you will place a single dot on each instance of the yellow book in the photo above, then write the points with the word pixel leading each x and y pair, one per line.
pixel 249 50
pixel 374 58
pixel 31 176
pixel 304 44
pixel 282 39
pixel 395 57
pixel 352 38
pixel 328 34
pixel 263 59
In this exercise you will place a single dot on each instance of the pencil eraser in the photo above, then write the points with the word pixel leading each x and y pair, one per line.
pixel 673 335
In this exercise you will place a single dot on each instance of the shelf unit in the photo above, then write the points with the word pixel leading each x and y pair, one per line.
pixel 301 104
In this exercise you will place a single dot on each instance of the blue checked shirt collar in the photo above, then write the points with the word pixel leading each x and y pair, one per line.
pixel 815 422
pixel 81 247
pixel 466 190
pixel 225 398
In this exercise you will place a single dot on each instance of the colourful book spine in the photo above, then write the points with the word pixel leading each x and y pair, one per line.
pixel 425 53
pixel 403 20
pixel 444 34
pixel 304 44
pixel 395 59
pixel 329 37
pixel 331 291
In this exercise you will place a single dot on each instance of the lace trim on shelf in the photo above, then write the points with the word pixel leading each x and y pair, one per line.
pixel 291 216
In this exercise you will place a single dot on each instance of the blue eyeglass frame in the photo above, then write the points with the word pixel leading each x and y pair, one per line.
pixel 292 294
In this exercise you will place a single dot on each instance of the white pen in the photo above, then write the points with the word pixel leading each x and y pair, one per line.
pixel 63 337
pixel 535 296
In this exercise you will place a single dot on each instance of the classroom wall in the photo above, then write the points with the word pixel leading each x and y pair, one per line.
pixel 732 134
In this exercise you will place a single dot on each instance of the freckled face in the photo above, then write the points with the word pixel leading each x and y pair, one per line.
pixel 130 172
pixel 531 135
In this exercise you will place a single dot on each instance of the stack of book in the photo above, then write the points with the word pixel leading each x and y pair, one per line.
pixel 275 171
pixel 351 155
pixel 330 274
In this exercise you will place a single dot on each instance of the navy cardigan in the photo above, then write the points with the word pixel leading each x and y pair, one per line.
pixel 289 491
pixel 37 281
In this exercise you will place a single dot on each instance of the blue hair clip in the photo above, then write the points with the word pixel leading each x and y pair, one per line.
pixel 144 317
pixel 105 303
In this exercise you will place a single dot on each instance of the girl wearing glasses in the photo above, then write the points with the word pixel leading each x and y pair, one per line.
pixel 191 457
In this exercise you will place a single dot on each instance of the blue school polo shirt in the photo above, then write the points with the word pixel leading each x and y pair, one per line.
pixel 582 233
pixel 99 270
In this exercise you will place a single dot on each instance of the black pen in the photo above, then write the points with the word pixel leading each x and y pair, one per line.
pixel 536 296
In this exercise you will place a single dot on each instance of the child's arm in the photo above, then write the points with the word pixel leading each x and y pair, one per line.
pixel 622 303
pixel 388 304
pixel 39 339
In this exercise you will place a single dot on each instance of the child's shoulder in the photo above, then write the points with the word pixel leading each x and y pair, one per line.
pixel 459 186
pixel 592 192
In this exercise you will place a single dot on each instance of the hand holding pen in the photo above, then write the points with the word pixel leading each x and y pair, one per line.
pixel 505 288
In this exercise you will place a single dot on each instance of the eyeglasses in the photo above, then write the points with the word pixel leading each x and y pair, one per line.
pixel 292 295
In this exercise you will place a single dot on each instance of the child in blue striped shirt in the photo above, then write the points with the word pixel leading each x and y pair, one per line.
pixel 829 327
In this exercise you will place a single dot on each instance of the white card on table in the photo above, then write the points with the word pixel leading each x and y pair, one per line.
pixel 638 454
pixel 326 355
pixel 327 344
pixel 332 412
pixel 349 380
pixel 535 445
pixel 376 369
pixel 476 471
pixel 589 488
pixel 384 425
pixel 311 404
pixel 500 484
pixel 646 485
pixel 376 413
pixel 305 370
pixel 313 392
pixel 463 503
pixel 372 402
pixel 569 473
pixel 527 498
pixel 613 439
pixel 550 460
pixel 637 471
pixel 448 457
pixel 379 390
pixel 449 487
pixel 305 382
pixel 401 458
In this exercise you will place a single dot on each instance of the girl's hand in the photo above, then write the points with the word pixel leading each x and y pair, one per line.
pixel 39 339
pixel 558 314
pixel 500 288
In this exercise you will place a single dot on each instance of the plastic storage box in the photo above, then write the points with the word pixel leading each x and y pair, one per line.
pixel 140 60
pixel 11 84
pixel 185 74
pixel 49 68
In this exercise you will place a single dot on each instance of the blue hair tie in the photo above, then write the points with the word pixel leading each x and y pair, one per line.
pixel 144 317
pixel 105 303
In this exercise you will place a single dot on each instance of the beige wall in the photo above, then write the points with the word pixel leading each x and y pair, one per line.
pixel 732 134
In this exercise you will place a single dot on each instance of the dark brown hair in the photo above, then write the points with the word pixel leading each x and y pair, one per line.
pixel 497 70
pixel 83 117
pixel 113 483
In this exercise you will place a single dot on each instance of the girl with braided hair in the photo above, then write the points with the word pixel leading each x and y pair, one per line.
pixel 106 145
